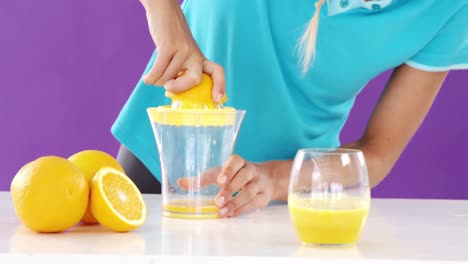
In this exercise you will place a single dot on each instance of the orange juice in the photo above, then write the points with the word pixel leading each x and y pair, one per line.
pixel 190 209
pixel 316 223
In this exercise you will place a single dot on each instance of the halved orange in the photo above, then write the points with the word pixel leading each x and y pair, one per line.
pixel 197 97
pixel 116 202
pixel 90 161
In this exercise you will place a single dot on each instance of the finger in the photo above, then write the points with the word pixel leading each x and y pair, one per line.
pixel 258 201
pixel 219 80
pixel 172 70
pixel 192 77
pixel 234 164
pixel 241 179
pixel 162 61
pixel 207 178
pixel 247 193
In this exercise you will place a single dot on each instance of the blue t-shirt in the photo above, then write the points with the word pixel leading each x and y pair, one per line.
pixel 256 40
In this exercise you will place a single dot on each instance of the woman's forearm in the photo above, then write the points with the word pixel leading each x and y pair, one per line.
pixel 165 16
pixel 151 5
pixel 377 164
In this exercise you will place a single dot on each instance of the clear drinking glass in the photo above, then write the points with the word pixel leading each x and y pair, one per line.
pixel 193 144
pixel 329 195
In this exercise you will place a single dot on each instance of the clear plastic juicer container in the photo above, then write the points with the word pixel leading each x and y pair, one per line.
pixel 193 143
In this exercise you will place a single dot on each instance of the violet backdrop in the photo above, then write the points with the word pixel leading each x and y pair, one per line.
pixel 67 67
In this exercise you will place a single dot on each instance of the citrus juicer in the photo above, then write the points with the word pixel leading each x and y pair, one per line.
pixel 194 138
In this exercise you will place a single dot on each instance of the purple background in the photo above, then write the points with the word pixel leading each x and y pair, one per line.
pixel 67 67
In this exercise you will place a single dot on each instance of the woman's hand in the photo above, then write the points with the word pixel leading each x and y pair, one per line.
pixel 253 183
pixel 177 51
pixel 254 186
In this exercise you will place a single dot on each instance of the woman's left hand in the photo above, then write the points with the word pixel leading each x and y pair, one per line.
pixel 254 186
pixel 251 181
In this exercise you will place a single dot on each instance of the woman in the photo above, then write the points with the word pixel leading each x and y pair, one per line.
pixel 298 89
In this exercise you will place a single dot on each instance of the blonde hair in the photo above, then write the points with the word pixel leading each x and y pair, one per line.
pixel 307 42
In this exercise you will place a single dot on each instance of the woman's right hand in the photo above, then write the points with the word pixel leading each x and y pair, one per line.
pixel 177 51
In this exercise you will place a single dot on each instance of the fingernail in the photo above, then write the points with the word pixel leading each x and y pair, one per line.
pixel 168 86
pixel 231 214
pixel 219 201
pixel 218 98
pixel 222 180
pixel 223 211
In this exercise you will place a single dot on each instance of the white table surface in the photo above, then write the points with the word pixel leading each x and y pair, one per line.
pixel 408 231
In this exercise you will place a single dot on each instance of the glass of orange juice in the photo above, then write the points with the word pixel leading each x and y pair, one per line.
pixel 329 195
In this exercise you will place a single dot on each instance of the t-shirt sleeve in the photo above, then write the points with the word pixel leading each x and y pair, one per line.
pixel 448 50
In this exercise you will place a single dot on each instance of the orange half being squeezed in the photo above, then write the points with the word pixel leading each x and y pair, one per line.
pixel 194 107
pixel 197 97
